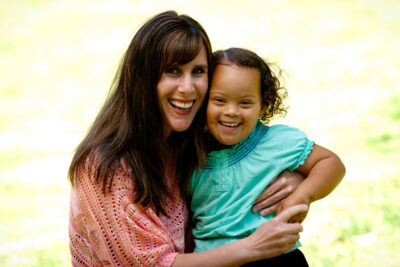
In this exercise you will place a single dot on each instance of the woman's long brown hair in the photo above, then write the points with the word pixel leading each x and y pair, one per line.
pixel 130 124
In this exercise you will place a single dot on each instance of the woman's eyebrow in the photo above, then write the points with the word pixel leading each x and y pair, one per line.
pixel 204 66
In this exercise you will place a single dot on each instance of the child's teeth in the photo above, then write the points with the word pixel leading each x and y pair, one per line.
pixel 230 124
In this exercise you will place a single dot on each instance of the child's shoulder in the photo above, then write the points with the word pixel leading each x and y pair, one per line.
pixel 283 132
pixel 282 137
pixel 282 128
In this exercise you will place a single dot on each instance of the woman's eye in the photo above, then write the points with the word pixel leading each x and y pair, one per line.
pixel 198 71
pixel 172 70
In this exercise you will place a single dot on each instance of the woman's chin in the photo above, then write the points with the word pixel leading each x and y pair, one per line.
pixel 180 125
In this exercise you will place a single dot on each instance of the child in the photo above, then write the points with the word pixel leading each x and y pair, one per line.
pixel 246 155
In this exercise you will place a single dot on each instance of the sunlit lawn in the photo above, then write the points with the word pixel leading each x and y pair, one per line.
pixel 341 62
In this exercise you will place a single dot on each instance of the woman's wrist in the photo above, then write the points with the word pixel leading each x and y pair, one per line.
pixel 246 253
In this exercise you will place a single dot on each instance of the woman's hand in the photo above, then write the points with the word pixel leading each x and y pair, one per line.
pixel 280 188
pixel 276 236
pixel 293 200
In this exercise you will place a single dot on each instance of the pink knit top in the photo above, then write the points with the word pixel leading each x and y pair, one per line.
pixel 112 230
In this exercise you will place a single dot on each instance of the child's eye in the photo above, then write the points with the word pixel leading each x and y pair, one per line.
pixel 219 100
pixel 245 102
pixel 172 70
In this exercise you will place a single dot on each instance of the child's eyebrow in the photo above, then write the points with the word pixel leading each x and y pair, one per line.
pixel 249 96
pixel 217 92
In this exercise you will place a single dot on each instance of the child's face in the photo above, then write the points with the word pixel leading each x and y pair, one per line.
pixel 234 105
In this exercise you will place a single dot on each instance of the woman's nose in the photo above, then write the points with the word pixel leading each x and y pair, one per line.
pixel 186 85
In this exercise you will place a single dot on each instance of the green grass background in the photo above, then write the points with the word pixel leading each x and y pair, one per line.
pixel 341 63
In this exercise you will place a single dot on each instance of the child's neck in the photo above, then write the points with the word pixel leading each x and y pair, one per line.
pixel 214 145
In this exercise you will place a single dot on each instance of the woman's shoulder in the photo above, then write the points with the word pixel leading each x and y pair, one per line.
pixel 88 172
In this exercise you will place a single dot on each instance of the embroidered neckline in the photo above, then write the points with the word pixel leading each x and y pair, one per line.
pixel 229 156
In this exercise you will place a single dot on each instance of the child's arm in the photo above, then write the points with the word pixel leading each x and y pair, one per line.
pixel 278 189
pixel 323 171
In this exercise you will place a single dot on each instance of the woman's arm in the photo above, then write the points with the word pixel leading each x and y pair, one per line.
pixel 271 239
pixel 280 188
pixel 324 171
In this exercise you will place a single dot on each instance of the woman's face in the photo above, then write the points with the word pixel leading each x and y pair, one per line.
pixel 181 92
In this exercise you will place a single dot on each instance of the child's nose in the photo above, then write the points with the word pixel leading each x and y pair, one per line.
pixel 232 110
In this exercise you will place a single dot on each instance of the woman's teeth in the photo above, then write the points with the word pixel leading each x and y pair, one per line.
pixel 181 105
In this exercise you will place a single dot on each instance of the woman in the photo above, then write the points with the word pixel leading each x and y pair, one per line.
pixel 127 205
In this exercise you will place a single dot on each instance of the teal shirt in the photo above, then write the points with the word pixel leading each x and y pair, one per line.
pixel 223 191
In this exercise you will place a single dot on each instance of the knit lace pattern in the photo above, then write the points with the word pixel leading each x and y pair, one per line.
pixel 112 230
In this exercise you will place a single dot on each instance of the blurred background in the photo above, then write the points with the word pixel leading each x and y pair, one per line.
pixel 341 67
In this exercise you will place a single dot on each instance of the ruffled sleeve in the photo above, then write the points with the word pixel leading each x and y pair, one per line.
pixel 112 230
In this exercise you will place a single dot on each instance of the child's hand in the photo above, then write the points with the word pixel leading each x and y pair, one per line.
pixel 294 200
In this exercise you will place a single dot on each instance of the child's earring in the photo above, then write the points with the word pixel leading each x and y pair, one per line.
pixel 206 128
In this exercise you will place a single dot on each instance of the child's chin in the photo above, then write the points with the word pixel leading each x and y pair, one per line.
pixel 228 142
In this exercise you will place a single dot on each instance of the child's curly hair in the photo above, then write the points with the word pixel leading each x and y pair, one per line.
pixel 272 93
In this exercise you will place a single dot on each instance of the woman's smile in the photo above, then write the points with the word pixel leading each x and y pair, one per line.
pixel 182 106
